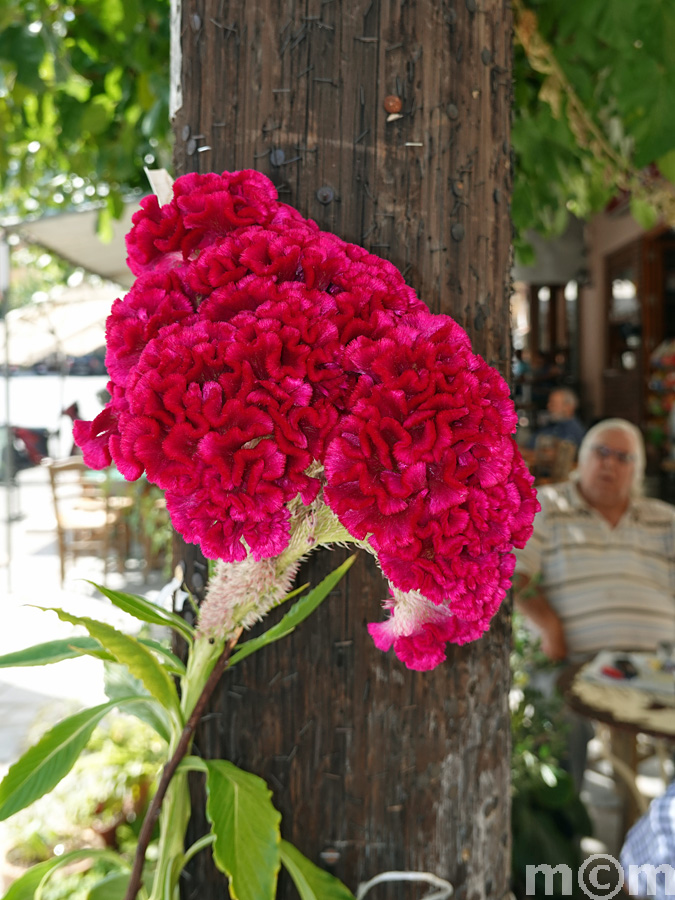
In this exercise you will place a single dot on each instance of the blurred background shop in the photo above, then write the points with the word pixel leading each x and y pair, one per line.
pixel 596 313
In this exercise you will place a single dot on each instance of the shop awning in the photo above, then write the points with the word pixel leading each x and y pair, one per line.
pixel 70 324
pixel 73 237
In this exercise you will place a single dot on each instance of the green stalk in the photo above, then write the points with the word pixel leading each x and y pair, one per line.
pixel 173 823
pixel 203 657
pixel 171 803
pixel 175 814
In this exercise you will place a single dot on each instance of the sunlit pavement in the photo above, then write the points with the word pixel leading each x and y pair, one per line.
pixel 32 579
pixel 34 698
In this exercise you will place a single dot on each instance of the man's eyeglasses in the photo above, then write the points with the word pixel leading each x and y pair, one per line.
pixel 620 456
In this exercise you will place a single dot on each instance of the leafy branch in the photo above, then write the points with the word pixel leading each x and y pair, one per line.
pixel 646 185
pixel 245 840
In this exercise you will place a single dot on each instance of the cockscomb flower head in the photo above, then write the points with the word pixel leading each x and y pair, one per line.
pixel 287 389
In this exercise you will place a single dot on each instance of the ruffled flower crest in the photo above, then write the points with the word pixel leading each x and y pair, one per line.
pixel 288 389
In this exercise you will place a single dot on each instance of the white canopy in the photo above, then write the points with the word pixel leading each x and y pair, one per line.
pixel 73 237
pixel 70 324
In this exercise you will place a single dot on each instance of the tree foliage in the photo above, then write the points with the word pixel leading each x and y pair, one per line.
pixel 84 105
pixel 593 82
pixel 83 100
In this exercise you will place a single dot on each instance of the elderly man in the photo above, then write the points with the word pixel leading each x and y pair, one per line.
pixel 599 570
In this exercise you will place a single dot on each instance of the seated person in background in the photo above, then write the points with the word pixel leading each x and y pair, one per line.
pixel 599 570
pixel 563 423
pixel 651 842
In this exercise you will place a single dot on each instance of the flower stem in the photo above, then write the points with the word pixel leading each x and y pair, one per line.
pixel 177 813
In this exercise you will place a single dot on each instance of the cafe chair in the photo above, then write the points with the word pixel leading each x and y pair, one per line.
pixel 90 520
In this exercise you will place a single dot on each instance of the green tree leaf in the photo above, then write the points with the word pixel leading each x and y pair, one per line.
pixel 666 166
pixel 304 607
pixel 42 766
pixel 312 882
pixel 53 652
pixel 86 68
pixel 98 114
pixel 146 611
pixel 131 653
pixel 246 825
pixel 643 213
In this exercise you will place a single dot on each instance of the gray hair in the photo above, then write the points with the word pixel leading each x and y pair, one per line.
pixel 568 395
pixel 635 435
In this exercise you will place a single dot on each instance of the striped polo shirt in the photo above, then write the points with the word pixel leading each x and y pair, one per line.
pixel 613 588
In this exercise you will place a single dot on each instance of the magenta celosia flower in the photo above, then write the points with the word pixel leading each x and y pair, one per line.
pixel 419 630
pixel 204 208
pixel 415 464
pixel 154 301
pixel 258 363
pixel 416 629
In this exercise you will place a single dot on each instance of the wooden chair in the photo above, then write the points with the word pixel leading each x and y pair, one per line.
pixel 89 520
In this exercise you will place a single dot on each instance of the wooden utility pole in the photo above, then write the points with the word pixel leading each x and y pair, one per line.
pixel 388 123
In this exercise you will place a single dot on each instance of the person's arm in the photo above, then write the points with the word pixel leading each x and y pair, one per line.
pixel 531 601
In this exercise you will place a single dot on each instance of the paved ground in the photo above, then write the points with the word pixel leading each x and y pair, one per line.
pixel 34 698
pixel 42 694
pixel 32 579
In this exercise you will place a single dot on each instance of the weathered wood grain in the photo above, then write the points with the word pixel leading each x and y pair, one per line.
pixel 372 766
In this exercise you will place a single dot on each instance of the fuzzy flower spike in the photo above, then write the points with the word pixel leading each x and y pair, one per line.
pixel 266 375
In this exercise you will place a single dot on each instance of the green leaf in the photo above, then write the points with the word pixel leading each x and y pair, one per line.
pixel 113 83
pixel 24 887
pixel 87 853
pixel 312 882
pixel 643 213
pixel 25 51
pixel 295 592
pixel 304 607
pixel 146 611
pixel 666 165
pixel 52 652
pixel 42 766
pixel 120 683
pixel 171 662
pixel 115 203
pixel 203 842
pixel 97 115
pixel 246 825
pixel 111 14
pixel 112 887
pixel 131 653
